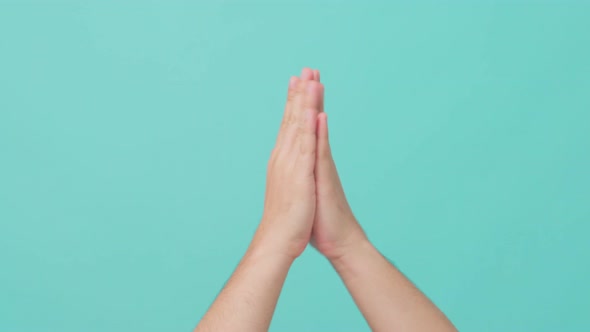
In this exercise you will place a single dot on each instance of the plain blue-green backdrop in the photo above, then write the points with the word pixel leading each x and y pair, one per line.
pixel 134 138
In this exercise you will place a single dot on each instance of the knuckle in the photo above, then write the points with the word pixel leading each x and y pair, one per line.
pixel 284 123
pixel 287 120
pixel 293 91
pixel 298 134
pixel 291 95
pixel 291 119
pixel 307 148
pixel 302 86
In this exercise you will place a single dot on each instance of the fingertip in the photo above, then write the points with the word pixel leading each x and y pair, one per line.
pixel 314 95
pixel 293 82
pixel 311 116
pixel 316 75
pixel 323 119
pixel 306 74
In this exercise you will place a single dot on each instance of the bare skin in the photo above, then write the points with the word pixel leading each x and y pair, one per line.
pixel 387 299
pixel 248 300
pixel 305 202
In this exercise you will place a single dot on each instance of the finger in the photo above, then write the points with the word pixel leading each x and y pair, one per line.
pixel 288 113
pixel 291 96
pixel 293 119
pixel 313 96
pixel 323 150
pixel 293 83
pixel 316 78
pixel 306 74
pixel 316 75
pixel 307 145
pixel 310 109
pixel 325 168
pixel 307 137
pixel 321 101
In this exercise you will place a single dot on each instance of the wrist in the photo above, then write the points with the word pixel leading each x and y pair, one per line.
pixel 273 242
pixel 351 251
pixel 351 238
pixel 261 251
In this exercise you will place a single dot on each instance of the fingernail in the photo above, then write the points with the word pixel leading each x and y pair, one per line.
pixel 293 82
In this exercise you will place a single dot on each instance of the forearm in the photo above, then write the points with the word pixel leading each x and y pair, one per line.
pixel 387 299
pixel 248 300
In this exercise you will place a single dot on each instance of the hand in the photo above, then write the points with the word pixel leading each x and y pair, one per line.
pixel 290 200
pixel 335 228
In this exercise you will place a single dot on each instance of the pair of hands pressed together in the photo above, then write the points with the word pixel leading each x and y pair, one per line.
pixel 305 203
pixel 304 197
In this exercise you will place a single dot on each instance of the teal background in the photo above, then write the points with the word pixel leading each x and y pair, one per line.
pixel 134 138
